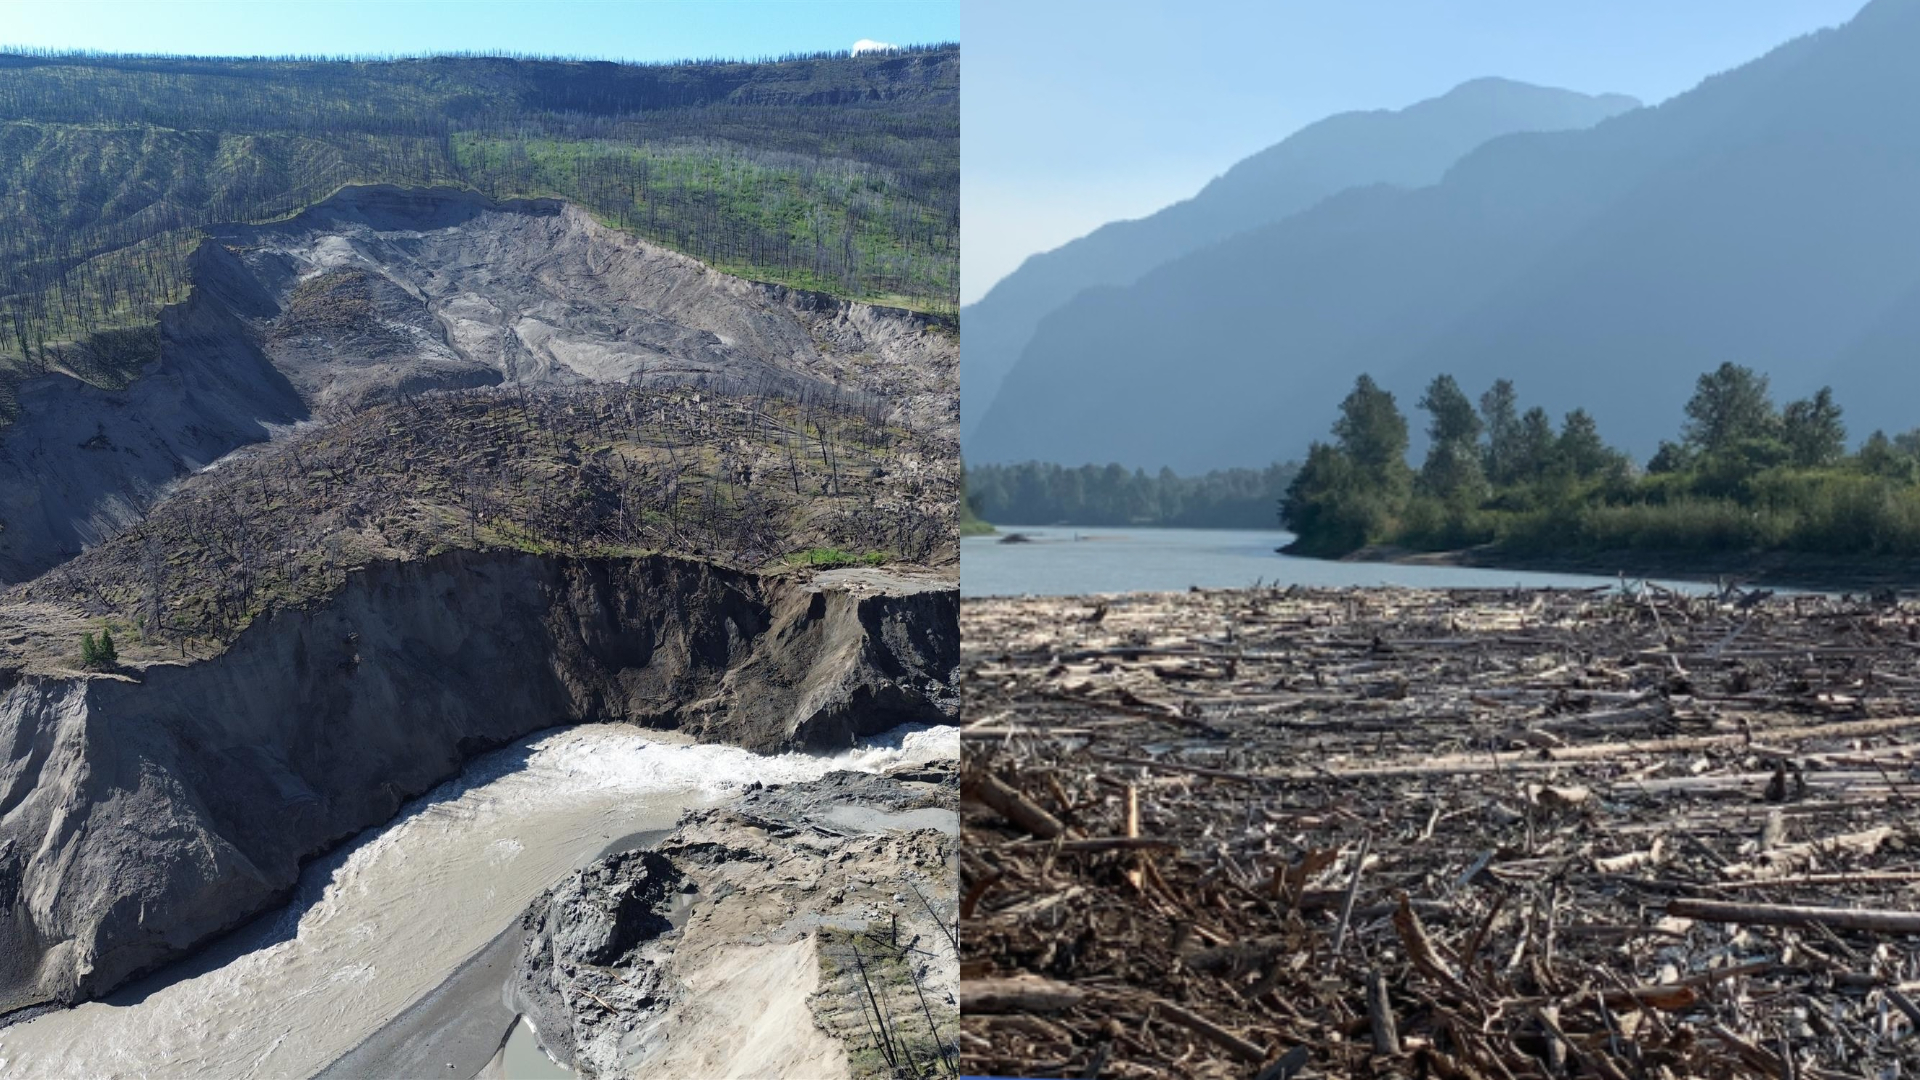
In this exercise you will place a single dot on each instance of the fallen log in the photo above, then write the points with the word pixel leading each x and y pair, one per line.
pixel 1868 920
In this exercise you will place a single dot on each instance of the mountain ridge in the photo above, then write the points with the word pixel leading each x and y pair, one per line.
pixel 1598 268
pixel 1410 146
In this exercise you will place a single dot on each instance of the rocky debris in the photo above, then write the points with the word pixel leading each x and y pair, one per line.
pixel 582 946
pixel 1390 833
pixel 612 908
pixel 382 293
pixel 911 786
pixel 143 816
pixel 732 943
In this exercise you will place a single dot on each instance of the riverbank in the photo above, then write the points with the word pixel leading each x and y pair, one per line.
pixel 1342 832
pixel 1776 569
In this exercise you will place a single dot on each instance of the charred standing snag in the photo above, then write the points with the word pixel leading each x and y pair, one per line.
pixel 1617 833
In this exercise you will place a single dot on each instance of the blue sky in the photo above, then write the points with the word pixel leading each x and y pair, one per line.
pixel 1075 114
pixel 615 29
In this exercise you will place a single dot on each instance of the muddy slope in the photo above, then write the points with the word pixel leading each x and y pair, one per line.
pixel 138 818
pixel 382 291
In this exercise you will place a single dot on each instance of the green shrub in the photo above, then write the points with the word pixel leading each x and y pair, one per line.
pixel 98 654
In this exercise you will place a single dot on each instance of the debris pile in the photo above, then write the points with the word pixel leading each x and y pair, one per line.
pixel 1502 834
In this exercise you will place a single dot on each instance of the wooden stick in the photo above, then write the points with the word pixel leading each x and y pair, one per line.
pixel 1353 889
pixel 1386 1031
pixel 1134 874
pixel 1021 993
pixel 1869 920
pixel 1015 807
pixel 1219 1036
pixel 1098 843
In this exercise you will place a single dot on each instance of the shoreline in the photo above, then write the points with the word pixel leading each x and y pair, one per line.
pixel 1791 570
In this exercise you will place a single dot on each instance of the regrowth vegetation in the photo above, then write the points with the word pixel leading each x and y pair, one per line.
pixel 1745 475
pixel 838 173
pixel 750 480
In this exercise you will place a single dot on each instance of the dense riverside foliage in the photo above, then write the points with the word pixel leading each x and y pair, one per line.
pixel 1038 493
pixel 830 172
pixel 1744 476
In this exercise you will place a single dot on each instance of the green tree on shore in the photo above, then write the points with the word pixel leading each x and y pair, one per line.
pixel 1500 415
pixel 1347 493
pixel 1730 404
pixel 1453 472
pixel 1743 477
pixel 1813 431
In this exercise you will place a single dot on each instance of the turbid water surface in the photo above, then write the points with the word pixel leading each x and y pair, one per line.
pixel 377 926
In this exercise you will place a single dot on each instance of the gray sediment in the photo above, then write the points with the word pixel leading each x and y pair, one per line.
pixel 463 1023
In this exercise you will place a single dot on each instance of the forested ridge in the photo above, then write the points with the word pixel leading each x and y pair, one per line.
pixel 830 172
pixel 1042 493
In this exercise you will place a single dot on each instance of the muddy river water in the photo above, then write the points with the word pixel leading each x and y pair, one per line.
pixel 382 923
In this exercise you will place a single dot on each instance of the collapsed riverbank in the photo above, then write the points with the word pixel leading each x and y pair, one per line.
pixel 146 813
pixel 806 930
pixel 381 925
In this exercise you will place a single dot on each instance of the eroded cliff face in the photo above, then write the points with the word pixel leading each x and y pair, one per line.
pixel 382 292
pixel 141 815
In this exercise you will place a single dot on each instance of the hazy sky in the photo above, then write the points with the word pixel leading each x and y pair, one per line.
pixel 615 29
pixel 1074 115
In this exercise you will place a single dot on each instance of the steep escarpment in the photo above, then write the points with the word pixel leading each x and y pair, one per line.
pixel 141 814
pixel 81 460
pixel 381 294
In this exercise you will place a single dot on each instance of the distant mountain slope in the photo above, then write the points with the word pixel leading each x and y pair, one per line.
pixel 1770 217
pixel 834 173
pixel 1412 147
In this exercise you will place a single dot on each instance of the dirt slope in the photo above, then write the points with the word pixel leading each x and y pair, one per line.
pixel 381 292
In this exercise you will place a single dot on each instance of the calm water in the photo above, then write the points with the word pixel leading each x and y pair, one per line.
pixel 1068 561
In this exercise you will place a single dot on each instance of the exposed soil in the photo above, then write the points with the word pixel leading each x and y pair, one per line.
pixel 1387 832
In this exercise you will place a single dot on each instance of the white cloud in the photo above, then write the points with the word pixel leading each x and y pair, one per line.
pixel 870 45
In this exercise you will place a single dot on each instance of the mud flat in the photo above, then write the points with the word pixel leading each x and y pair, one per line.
pixel 1388 832
pixel 379 926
